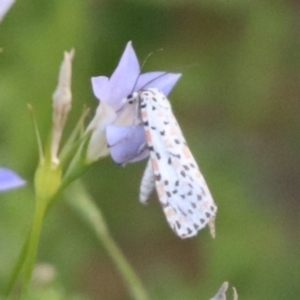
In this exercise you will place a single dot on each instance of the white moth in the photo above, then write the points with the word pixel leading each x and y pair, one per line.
pixel 172 169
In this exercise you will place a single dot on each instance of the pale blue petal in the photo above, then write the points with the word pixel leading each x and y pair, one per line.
pixel 5 5
pixel 9 179
pixel 141 155
pixel 162 81
pixel 122 81
pixel 126 143
pixel 100 87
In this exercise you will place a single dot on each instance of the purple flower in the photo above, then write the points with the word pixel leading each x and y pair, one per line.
pixel 9 179
pixel 114 122
pixel 5 5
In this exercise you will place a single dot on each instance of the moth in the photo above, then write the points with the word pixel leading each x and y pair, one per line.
pixel 172 169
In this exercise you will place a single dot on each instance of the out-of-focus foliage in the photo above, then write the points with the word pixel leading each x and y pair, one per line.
pixel 52 293
pixel 238 104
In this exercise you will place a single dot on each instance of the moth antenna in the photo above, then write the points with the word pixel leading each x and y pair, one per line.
pixel 142 67
pixel 165 73
pixel 148 56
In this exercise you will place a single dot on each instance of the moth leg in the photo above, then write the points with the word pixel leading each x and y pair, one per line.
pixel 147 183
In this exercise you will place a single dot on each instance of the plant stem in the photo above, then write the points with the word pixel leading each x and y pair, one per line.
pixel 17 268
pixel 33 241
pixel 82 202
pixel 28 253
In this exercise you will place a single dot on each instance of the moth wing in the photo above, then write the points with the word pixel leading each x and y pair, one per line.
pixel 182 190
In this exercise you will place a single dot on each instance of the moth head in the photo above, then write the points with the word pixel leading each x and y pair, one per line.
pixel 131 98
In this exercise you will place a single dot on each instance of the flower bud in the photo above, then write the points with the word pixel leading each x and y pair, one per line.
pixel 62 98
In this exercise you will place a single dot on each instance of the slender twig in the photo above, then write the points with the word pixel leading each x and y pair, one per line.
pixel 81 201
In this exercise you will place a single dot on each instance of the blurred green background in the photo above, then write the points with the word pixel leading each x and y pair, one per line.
pixel 238 105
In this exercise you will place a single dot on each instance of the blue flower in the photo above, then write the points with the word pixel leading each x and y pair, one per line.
pixel 5 5
pixel 9 180
pixel 113 123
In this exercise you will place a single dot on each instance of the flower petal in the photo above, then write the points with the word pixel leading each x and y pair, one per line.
pixel 9 179
pixel 127 115
pixel 97 147
pixel 163 81
pixel 100 86
pixel 126 143
pixel 5 5
pixel 104 115
pixel 143 153
pixel 124 77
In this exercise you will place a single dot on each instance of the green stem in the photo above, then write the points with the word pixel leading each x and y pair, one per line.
pixel 33 242
pixel 44 201
pixel 28 253
pixel 81 201
pixel 48 188
pixel 17 268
